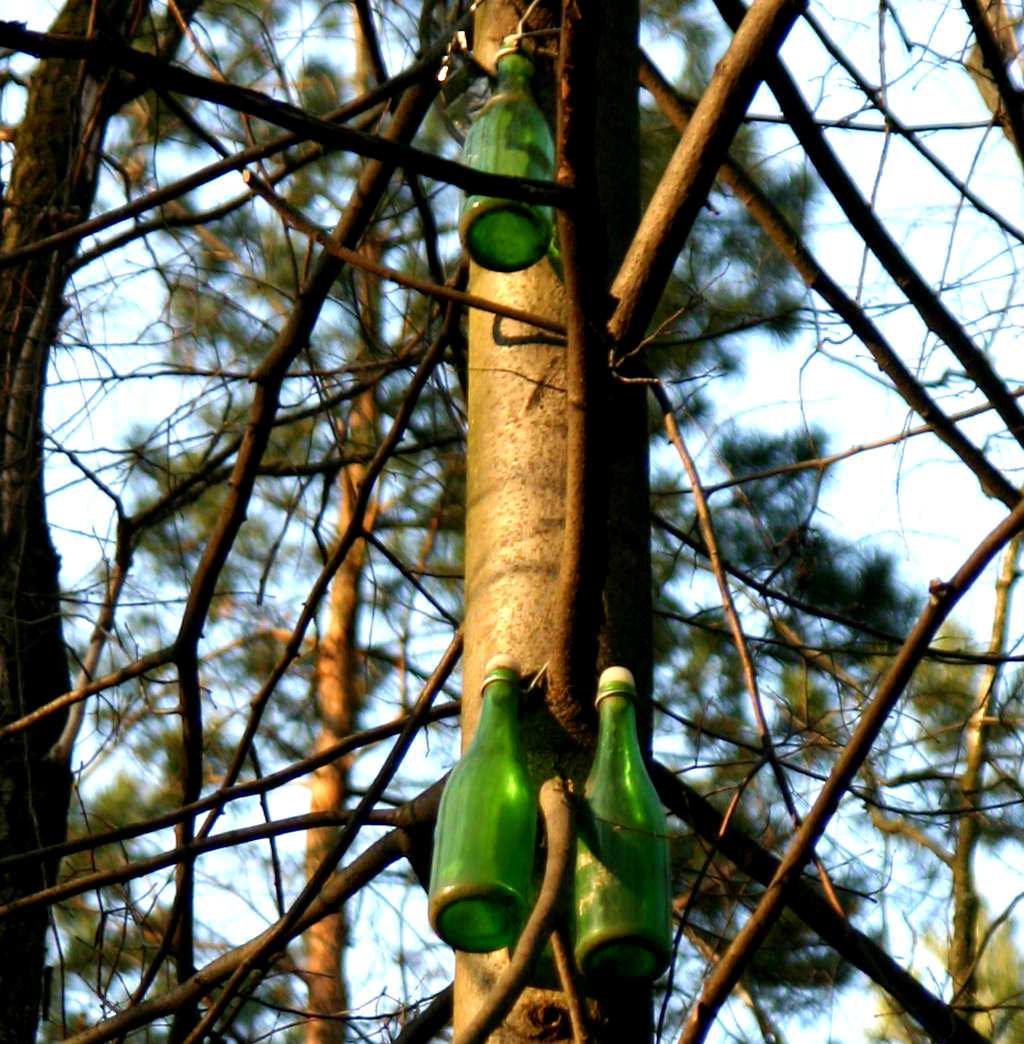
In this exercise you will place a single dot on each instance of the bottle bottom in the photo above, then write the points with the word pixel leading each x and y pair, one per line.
pixel 504 236
pixel 620 958
pixel 477 923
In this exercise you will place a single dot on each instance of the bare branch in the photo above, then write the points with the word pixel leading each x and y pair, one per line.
pixel 785 239
pixel 929 306
pixel 684 185
pixel 554 806
pixel 385 149
pixel 941 1021
pixel 340 885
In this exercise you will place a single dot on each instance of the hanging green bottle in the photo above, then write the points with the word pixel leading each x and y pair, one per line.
pixel 623 911
pixel 482 870
pixel 509 136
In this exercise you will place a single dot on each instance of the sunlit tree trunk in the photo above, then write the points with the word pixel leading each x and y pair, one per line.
pixel 339 684
pixel 339 694
pixel 516 517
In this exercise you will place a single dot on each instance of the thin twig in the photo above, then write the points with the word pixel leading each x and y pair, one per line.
pixel 554 806
pixel 860 950
pixel 149 662
pixel 220 798
pixel 929 306
pixel 707 530
pixel 352 532
pixel 279 934
pixel 356 259
pixel 229 839
pixel 944 596
pixel 428 1021
pixel 694 890
pixel 572 988
pixel 336 890
pixel 684 186
pixel 281 114
pixel 789 244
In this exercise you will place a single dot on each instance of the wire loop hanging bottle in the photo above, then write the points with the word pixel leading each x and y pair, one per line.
pixel 482 870
pixel 623 912
pixel 509 136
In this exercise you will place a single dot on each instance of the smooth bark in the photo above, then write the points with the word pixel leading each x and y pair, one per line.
pixel 535 512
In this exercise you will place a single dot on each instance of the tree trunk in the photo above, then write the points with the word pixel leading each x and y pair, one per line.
pixel 340 693
pixel 517 489
pixel 339 696
pixel 53 179
pixel 963 947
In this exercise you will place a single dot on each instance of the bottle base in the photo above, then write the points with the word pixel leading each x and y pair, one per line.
pixel 503 235
pixel 635 959
pixel 476 920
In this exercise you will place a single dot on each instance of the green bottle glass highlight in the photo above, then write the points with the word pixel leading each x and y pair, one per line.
pixel 482 871
pixel 509 136
pixel 623 902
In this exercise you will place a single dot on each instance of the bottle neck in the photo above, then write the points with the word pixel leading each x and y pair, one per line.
pixel 514 73
pixel 617 740
pixel 498 715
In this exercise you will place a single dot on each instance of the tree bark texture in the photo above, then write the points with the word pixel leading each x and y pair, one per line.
pixel 340 693
pixel 52 184
pixel 339 697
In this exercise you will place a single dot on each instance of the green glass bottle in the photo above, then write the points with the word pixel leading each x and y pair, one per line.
pixel 482 871
pixel 509 136
pixel 623 902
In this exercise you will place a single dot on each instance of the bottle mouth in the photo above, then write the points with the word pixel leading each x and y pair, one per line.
pixel 478 917
pixel 510 45
pixel 501 662
pixel 632 958
pixel 616 681
pixel 502 235
pixel 501 668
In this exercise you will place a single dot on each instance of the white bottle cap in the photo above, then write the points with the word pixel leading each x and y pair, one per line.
pixel 501 662
pixel 616 681
pixel 617 678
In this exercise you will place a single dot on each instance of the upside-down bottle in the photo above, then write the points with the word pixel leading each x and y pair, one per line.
pixel 482 870
pixel 622 902
pixel 509 136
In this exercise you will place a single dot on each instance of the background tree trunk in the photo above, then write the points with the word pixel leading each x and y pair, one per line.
pixel 52 185
pixel 339 696
pixel 339 685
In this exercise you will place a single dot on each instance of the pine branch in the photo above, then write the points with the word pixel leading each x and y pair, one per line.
pixel 941 1021
pixel 944 596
